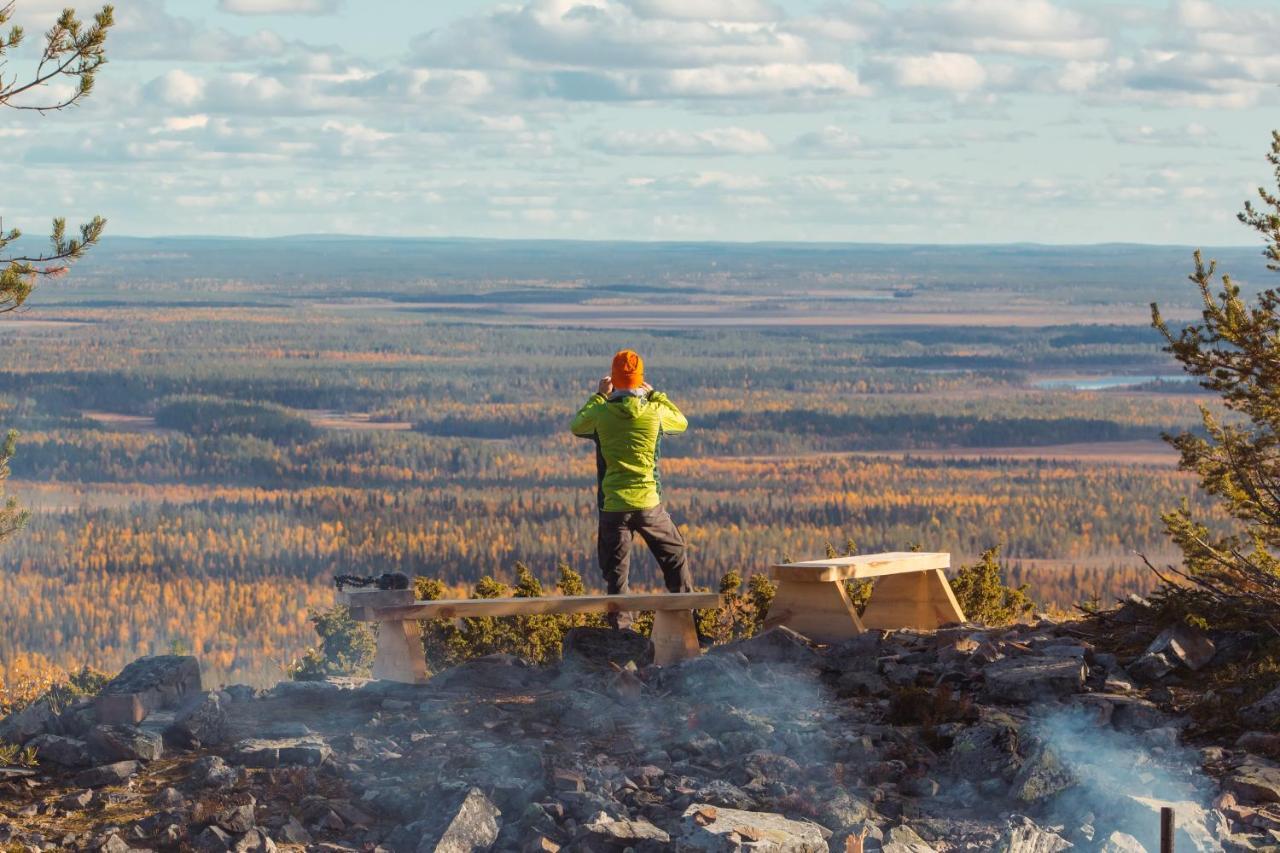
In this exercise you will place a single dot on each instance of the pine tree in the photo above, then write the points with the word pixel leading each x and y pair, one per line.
pixel 983 594
pixel 73 50
pixel 1234 352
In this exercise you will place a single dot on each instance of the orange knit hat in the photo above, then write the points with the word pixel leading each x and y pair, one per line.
pixel 627 371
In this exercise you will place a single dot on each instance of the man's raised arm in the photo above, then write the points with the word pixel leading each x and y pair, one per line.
pixel 584 423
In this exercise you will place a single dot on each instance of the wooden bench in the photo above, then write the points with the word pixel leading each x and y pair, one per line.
pixel 911 592
pixel 400 656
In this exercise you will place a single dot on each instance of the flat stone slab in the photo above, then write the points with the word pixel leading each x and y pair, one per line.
pixel 706 827
pixel 1034 678
pixel 261 752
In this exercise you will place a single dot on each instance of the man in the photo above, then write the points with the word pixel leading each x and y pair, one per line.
pixel 626 419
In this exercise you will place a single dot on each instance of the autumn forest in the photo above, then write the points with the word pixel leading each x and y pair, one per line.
pixel 210 430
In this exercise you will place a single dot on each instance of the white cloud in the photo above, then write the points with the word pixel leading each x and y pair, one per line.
pixel 706 10
pixel 955 72
pixel 280 7
pixel 176 88
pixel 829 141
pixel 715 141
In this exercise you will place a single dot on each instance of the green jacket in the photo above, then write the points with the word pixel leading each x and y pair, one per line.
pixel 627 432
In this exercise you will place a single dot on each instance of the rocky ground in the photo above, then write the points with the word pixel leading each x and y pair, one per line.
pixel 1029 739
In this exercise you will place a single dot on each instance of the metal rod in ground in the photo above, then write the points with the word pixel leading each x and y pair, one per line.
pixel 1166 830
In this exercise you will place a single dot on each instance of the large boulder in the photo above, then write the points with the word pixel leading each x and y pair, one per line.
pixel 603 648
pixel 1034 678
pixel 706 827
pixel 147 684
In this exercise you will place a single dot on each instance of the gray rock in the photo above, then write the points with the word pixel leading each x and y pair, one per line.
pixel 255 752
pixel 471 823
pixel 124 743
pixel 236 819
pixel 1197 830
pixel 1121 842
pixel 200 721
pixel 1041 777
pixel 75 801
pixel 776 645
pixel 255 840
pixel 903 839
pixel 707 827
pixel 212 772
pixel 986 750
pixel 1151 667
pixel 600 648
pixel 294 832
pixel 65 752
pixel 149 683
pixel 1023 836
pixel 36 719
pixel 107 774
pixel 1184 645
pixel 1264 712
pixel 619 834
pixel 1255 782
pixel 214 840
pixel 1034 679
pixel 115 844
pixel 240 693
pixel 718 792
pixel 491 672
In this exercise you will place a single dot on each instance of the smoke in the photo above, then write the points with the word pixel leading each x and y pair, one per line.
pixel 1117 781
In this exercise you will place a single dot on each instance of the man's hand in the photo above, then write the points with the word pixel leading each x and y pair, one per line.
pixel 647 389
pixel 606 387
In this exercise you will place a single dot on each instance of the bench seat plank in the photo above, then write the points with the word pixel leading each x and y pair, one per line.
pixel 560 604
pixel 860 566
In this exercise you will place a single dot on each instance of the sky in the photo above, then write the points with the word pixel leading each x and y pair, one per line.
pixel 927 121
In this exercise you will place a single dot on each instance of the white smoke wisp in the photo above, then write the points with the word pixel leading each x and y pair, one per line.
pixel 1122 779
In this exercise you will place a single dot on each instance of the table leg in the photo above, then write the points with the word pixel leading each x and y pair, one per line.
pixel 674 637
pixel 921 600
pixel 400 656
pixel 819 610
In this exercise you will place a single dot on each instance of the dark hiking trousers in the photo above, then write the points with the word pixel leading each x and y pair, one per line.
pixel 659 532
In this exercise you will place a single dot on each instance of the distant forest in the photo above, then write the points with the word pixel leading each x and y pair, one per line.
pixel 211 429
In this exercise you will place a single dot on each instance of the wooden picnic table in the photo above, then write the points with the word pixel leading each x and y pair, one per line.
pixel 911 591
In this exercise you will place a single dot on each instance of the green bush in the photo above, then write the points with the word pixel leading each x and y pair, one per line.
pixel 985 597
pixel 346 647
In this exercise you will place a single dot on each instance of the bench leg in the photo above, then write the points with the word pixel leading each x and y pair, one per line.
pixel 674 637
pixel 921 600
pixel 820 610
pixel 400 657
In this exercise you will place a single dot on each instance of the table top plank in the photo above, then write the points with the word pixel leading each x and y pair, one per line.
pixel 861 566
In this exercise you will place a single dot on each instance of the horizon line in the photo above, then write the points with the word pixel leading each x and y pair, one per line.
pixel 668 241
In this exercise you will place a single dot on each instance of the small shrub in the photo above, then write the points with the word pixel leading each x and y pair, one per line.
pixel 346 647
pixel 983 595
